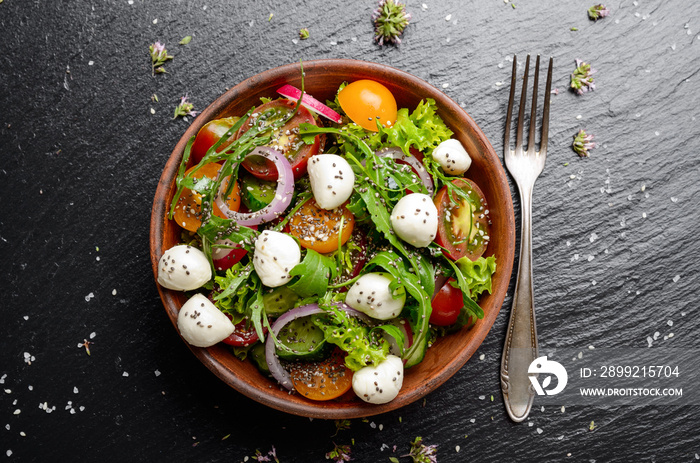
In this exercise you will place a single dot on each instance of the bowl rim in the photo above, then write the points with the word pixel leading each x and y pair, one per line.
pixel 318 409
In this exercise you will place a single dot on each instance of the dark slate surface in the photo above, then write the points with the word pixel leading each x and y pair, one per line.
pixel 615 243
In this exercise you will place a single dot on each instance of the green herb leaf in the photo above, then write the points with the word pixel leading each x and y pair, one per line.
pixel 313 274
pixel 186 40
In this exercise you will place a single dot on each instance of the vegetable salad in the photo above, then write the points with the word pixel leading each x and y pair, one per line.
pixel 330 244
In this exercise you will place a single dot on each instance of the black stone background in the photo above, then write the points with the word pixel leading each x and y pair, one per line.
pixel 81 154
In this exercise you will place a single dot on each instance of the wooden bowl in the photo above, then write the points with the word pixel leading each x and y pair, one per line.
pixel 322 79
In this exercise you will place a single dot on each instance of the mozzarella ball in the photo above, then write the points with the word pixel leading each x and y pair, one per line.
pixel 275 255
pixel 415 219
pixel 332 180
pixel 371 295
pixel 379 384
pixel 452 157
pixel 202 324
pixel 183 268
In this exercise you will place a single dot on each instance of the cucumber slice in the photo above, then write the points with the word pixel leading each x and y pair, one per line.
pixel 304 338
pixel 418 355
pixel 256 193
pixel 257 355
pixel 279 301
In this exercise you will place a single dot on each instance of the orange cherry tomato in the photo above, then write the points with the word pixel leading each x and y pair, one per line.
pixel 325 380
pixel 318 229
pixel 367 102
pixel 188 212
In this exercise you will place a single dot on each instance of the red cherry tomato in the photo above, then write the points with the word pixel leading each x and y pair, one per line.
pixel 447 304
pixel 243 335
pixel 367 102
pixel 463 229
pixel 284 140
pixel 209 135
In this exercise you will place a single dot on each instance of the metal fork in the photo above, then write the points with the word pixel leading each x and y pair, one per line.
pixel 525 166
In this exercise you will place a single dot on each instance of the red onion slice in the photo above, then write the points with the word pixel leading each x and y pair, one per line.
pixel 309 102
pixel 276 368
pixel 283 193
pixel 398 155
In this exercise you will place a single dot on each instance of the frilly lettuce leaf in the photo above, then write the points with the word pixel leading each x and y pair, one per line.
pixel 477 274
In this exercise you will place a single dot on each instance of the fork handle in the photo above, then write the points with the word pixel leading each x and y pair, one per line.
pixel 521 347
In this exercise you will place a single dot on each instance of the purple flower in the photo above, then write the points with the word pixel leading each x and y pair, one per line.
pixel 339 454
pixel 597 11
pixel 582 143
pixel 185 108
pixel 159 55
pixel 582 78
pixel 422 453
pixel 390 19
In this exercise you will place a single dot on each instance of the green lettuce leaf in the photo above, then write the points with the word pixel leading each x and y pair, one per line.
pixel 477 274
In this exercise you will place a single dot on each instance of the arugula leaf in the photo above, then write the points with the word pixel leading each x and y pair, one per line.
pixel 314 272
pixel 395 266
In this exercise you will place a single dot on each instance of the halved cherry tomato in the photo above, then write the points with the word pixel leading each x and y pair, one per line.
pixel 188 209
pixel 284 140
pixel 367 102
pixel 463 229
pixel 209 135
pixel 325 380
pixel 243 335
pixel 447 303
pixel 318 229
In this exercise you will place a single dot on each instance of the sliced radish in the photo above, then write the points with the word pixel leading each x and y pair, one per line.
pixel 309 102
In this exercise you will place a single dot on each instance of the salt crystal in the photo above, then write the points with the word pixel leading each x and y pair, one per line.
pixel 89 296
pixel 542 409
pixel 75 390
pixel 30 387
pixel 82 408
pixel 580 355
pixel 9 453
pixel 372 425
pixel 473 420
pixel 125 374
pixel 591 257
pixel 482 397
pixel 424 6
pixel 130 2
pixel 676 278
pixel 539 430
pixel 579 117
pixel 656 335
pixel 445 85
pixel 650 341
pixel 23 434
pixel 155 21
pixel 593 237
pixel 670 335
pixel 72 411
pixel 7 426
pixel 333 42
pixel 157 373
pixel 17 412
pixel 669 323
pixel 673 47
pixel 674 199
pixel 26 317
pixel 8 391
pixel 482 356
pixel 90 63
pixel 448 17
pixel 560 437
pixel 644 215
pixel 593 282
pixel 97 258
pixel 568 243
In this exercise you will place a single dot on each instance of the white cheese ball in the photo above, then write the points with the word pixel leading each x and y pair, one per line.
pixel 183 268
pixel 371 295
pixel 452 157
pixel 332 180
pixel 275 255
pixel 201 324
pixel 379 384
pixel 415 219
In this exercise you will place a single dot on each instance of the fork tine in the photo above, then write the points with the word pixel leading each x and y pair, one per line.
pixel 533 111
pixel 509 114
pixel 521 111
pixel 545 113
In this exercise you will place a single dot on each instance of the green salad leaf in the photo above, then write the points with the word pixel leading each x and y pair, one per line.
pixel 364 346
pixel 477 273
pixel 314 273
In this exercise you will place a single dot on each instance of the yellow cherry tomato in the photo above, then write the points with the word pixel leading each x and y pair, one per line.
pixel 367 102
